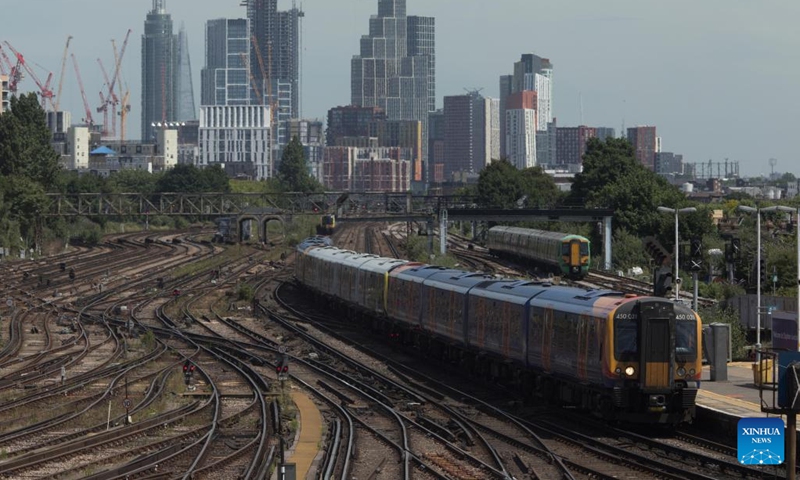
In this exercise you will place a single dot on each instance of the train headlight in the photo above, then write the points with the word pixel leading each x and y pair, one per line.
pixel 681 371
pixel 691 372
pixel 629 371
pixel 618 371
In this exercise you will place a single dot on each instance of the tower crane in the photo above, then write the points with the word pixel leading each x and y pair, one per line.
pixel 44 88
pixel 14 72
pixel 266 77
pixel 88 120
pixel 105 100
pixel 252 79
pixel 110 99
pixel 57 104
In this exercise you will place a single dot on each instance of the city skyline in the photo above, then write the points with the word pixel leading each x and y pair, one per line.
pixel 627 62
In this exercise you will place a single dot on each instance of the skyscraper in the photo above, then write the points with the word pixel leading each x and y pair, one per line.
pixel 422 42
pixel 643 139
pixel 225 78
pixel 186 107
pixel 159 70
pixel 277 35
pixel 535 73
pixel 468 136
pixel 386 74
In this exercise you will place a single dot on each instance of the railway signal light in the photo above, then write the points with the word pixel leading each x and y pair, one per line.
pixel 736 247
pixel 697 248
pixel 282 367
pixel 762 269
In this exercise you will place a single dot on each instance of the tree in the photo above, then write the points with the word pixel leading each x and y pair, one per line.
pixel 293 172
pixel 186 178
pixel 134 181
pixel 25 149
pixel 501 185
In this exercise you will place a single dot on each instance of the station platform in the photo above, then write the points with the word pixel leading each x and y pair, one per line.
pixel 723 403
pixel 304 451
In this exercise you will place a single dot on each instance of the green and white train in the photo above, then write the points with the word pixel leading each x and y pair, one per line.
pixel 564 254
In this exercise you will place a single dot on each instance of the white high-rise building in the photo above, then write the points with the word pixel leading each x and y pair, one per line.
pixel 492 129
pixel 237 138
pixel 521 137
pixel 77 148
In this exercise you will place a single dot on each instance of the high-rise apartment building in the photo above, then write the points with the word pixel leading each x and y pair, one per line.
pixel 225 79
pixel 668 163
pixel 422 42
pixel 385 74
pixel 159 70
pixel 605 132
pixel 535 73
pixel 277 35
pixel 468 122
pixel 571 144
pixel 520 129
pixel 404 134
pixel 350 121
pixel 186 109
pixel 643 139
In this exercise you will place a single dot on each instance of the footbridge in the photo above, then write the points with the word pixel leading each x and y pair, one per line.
pixel 348 207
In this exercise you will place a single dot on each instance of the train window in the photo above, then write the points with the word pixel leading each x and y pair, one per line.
pixel 585 248
pixel 565 248
pixel 685 341
pixel 626 341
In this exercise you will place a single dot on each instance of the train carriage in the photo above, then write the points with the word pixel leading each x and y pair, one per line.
pixel 444 303
pixel 404 291
pixel 497 317
pixel 565 254
pixel 372 277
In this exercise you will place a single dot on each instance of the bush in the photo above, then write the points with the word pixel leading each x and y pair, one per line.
pixel 245 292
pixel 717 314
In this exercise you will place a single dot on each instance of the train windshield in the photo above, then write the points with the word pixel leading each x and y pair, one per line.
pixel 585 248
pixel 685 340
pixel 565 248
pixel 626 339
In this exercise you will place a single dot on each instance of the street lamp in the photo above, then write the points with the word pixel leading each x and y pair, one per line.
pixel 676 211
pixel 786 209
pixel 744 208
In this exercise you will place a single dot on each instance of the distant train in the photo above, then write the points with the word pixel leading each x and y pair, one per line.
pixel 327 225
pixel 634 359
pixel 565 254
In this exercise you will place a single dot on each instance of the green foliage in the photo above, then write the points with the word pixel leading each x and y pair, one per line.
pixel 25 150
pixel 719 291
pixel 134 181
pixel 252 186
pixel 293 172
pixel 501 185
pixel 417 248
pixel 184 178
pixel 245 292
pixel 717 314
pixel 149 340
pixel 627 251
pixel 72 182
pixel 25 201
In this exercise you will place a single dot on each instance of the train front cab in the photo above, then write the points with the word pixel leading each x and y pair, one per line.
pixel 654 362
pixel 575 256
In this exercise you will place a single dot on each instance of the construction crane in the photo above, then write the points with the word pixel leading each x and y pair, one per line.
pixel 105 101
pixel 123 113
pixel 252 79
pixel 57 105
pixel 14 71
pixel 110 99
pixel 88 120
pixel 266 77
pixel 44 88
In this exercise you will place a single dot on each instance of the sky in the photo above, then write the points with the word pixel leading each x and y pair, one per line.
pixel 718 78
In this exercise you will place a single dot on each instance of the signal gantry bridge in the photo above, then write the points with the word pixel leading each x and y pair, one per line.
pixel 348 206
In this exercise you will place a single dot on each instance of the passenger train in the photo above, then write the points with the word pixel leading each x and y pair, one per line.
pixel 327 225
pixel 623 357
pixel 565 254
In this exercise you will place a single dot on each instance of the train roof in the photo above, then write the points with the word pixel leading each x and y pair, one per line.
pixel 316 241
pixel 457 280
pixel 382 264
pixel 534 232
pixel 419 271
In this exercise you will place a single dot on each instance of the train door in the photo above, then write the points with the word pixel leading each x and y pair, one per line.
pixel 583 346
pixel 657 344
pixel 575 256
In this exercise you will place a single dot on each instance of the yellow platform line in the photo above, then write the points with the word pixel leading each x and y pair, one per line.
pixel 310 434
pixel 726 399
